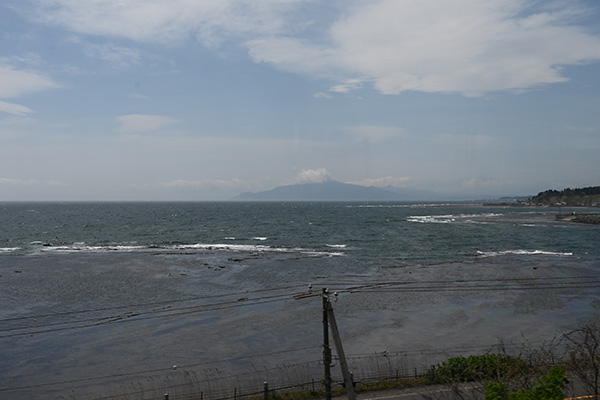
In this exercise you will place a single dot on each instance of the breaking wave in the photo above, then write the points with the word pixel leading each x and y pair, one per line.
pixel 449 218
pixel 39 247
pixel 520 253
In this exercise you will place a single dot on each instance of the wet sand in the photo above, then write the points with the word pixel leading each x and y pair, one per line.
pixel 246 311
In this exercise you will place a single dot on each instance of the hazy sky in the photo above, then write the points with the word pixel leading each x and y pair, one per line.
pixel 205 99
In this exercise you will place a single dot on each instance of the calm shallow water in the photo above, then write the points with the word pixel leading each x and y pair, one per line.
pixel 101 289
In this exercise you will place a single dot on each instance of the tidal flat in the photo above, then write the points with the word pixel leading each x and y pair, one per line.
pixel 95 322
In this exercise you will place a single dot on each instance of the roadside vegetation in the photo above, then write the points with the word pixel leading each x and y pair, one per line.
pixel 544 372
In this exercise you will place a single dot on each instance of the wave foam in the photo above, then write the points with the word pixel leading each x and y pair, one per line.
pixel 449 218
pixel 9 249
pixel 520 253
pixel 254 248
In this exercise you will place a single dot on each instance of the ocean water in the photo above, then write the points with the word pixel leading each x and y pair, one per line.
pixel 94 293
pixel 367 234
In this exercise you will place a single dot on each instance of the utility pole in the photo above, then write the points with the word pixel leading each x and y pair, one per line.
pixel 326 348
pixel 329 319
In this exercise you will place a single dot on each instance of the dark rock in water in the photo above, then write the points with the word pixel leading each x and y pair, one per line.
pixel 588 219
pixel 581 218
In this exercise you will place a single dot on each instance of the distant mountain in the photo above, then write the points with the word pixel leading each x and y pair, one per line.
pixel 337 191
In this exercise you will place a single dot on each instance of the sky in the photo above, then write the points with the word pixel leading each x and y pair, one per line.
pixel 166 100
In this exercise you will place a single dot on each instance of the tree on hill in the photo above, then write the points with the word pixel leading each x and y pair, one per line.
pixel 587 196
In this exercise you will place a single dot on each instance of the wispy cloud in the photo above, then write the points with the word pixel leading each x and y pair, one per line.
pixel 468 46
pixel 15 109
pixel 17 182
pixel 323 95
pixel 116 57
pixel 137 123
pixel 347 86
pixel 18 82
pixel 168 22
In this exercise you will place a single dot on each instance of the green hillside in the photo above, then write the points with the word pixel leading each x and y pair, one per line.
pixel 588 196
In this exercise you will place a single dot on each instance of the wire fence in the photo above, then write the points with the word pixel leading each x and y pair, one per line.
pixel 291 378
pixel 300 377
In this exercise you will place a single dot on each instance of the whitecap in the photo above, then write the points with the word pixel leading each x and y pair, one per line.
pixel 9 249
pixel 435 219
pixel 261 238
pixel 257 248
pixel 337 246
pixel 81 247
pixel 521 253
pixel 449 218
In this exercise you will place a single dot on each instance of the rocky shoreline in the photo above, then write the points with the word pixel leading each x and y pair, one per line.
pixel 581 218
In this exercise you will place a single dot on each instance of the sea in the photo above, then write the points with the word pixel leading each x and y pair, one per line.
pixel 102 299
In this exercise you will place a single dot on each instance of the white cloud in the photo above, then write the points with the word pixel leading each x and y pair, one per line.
pixel 348 85
pixel 16 82
pixel 17 182
pixel 312 176
pixel 467 46
pixel 136 123
pixel 373 133
pixel 322 95
pixel 297 56
pixel 15 109
pixel 211 21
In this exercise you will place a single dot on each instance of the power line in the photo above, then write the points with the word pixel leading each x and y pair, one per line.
pixel 347 289
pixel 377 287
pixel 156 303
pixel 490 287
pixel 447 282
pixel 476 284
pixel 138 317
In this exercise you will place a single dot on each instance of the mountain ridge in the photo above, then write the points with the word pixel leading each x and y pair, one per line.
pixel 337 191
